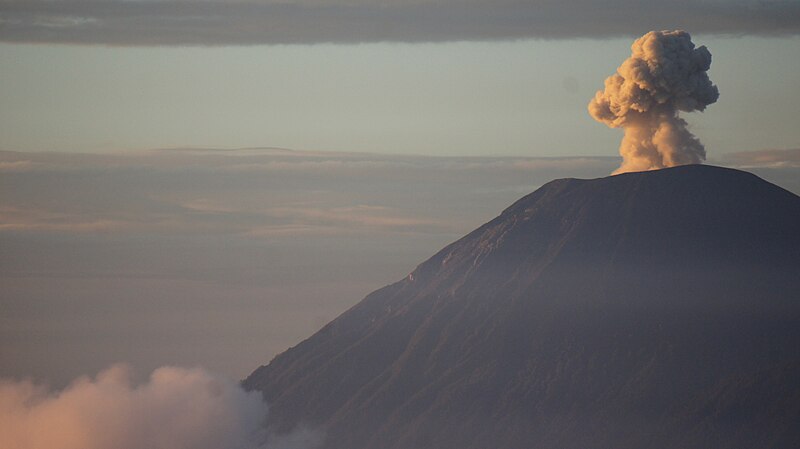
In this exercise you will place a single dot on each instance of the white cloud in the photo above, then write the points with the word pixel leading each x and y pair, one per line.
pixel 176 408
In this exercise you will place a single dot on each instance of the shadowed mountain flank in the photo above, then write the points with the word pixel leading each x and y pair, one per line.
pixel 654 309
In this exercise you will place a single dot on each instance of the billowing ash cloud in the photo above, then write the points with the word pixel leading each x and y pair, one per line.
pixel 664 75
pixel 176 409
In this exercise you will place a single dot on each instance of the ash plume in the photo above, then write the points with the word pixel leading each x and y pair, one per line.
pixel 664 75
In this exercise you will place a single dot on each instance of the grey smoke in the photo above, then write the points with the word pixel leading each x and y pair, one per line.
pixel 664 75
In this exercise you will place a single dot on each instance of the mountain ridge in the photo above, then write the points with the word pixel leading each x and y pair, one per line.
pixel 571 319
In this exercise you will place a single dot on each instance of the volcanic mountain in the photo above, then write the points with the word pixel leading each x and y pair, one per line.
pixel 657 309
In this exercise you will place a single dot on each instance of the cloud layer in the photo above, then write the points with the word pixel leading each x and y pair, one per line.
pixel 231 22
pixel 263 192
pixel 772 158
pixel 176 409
pixel 222 258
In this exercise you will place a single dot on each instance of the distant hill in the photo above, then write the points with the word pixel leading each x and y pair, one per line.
pixel 647 310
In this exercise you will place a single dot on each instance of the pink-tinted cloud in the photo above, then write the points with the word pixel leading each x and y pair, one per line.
pixel 176 408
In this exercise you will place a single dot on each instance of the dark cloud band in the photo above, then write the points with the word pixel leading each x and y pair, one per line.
pixel 187 22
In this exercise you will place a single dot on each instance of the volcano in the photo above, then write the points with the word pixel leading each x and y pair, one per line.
pixel 656 309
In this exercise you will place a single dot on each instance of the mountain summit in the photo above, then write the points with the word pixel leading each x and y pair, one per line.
pixel 656 309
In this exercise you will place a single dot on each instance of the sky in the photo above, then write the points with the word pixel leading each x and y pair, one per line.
pixel 191 187
pixel 521 98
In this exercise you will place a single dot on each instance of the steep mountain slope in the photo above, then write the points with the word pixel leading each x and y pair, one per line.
pixel 654 309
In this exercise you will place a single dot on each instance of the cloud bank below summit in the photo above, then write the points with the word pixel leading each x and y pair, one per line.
pixel 218 22
pixel 176 408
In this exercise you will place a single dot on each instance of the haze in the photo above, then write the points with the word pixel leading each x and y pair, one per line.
pixel 205 184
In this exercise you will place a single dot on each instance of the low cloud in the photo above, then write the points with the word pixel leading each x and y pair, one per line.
pixel 265 192
pixel 233 22
pixel 175 409
pixel 779 166
pixel 770 158
pixel 15 166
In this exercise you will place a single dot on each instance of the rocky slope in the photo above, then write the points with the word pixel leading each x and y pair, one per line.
pixel 655 309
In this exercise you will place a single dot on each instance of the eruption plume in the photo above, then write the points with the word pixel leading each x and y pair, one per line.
pixel 664 75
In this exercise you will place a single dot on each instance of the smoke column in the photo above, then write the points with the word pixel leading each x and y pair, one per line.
pixel 665 74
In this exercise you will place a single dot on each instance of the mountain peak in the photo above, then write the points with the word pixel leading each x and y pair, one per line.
pixel 671 213
pixel 614 312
